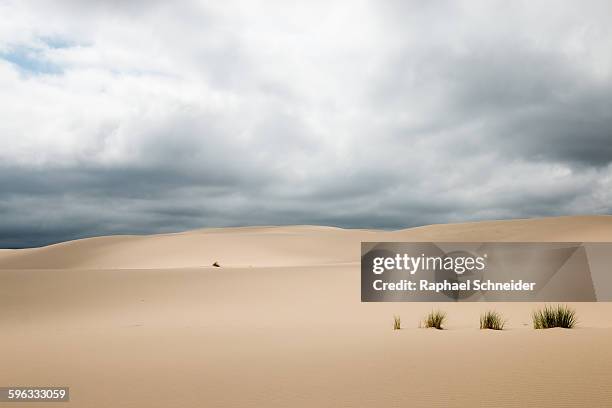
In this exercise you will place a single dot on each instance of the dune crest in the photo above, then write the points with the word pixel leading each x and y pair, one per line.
pixel 284 245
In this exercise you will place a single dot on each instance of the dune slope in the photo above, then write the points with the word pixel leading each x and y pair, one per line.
pixel 284 246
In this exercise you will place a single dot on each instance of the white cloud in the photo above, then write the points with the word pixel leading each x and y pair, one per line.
pixel 351 113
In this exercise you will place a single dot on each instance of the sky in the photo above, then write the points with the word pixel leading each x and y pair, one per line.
pixel 136 117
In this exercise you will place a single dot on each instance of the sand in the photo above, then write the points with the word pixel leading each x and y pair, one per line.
pixel 146 321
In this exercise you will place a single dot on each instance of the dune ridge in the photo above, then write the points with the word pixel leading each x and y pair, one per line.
pixel 285 245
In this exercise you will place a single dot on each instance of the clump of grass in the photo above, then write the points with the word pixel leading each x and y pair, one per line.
pixel 435 319
pixel 397 323
pixel 492 320
pixel 554 316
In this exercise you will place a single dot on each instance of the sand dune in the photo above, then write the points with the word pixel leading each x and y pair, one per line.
pixel 284 246
pixel 145 321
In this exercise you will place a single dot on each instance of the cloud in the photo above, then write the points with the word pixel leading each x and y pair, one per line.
pixel 139 117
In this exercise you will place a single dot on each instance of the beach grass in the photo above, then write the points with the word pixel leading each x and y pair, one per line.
pixel 554 316
pixel 435 319
pixel 492 320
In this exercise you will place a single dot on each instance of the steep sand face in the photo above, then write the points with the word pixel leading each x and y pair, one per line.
pixel 145 321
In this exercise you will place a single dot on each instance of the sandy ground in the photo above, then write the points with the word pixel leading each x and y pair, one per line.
pixel 147 322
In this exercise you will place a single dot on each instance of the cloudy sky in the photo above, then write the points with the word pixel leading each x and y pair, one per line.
pixel 153 116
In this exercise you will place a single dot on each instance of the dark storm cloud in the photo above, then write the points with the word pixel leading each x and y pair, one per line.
pixel 162 117
pixel 542 107
pixel 530 104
